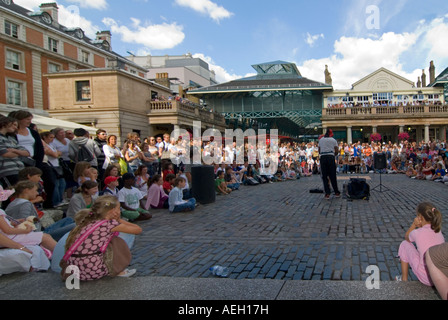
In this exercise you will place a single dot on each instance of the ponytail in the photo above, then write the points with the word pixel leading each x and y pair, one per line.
pixel 431 214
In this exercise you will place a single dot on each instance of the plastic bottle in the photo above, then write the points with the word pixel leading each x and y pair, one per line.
pixel 219 271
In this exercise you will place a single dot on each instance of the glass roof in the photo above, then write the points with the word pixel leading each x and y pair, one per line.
pixel 277 68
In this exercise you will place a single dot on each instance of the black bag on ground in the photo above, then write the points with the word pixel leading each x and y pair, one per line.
pixel 358 189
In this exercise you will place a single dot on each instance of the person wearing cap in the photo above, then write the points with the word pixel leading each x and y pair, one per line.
pixel 328 149
pixel 82 138
pixel 111 186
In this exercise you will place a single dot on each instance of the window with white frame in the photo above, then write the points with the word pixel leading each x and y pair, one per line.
pixel 14 60
pixel 14 94
pixel 85 56
pixel 53 45
pixel 53 67
pixel 83 91
pixel 11 29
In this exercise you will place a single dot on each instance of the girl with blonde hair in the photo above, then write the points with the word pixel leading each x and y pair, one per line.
pixel 94 246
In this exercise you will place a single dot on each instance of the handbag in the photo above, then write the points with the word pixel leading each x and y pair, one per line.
pixel 123 166
pixel 64 261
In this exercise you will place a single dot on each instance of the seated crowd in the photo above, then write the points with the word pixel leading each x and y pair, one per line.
pixel 63 180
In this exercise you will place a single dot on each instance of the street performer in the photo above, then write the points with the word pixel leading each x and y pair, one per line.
pixel 328 149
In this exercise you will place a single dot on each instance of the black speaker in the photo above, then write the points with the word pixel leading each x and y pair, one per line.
pixel 379 161
pixel 203 184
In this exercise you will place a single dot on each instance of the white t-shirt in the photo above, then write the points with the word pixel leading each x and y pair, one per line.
pixel 327 145
pixel 131 197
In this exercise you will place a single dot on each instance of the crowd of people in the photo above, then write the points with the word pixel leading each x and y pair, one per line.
pixel 383 103
pixel 70 182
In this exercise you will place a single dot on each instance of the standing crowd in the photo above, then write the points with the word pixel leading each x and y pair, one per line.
pixel 71 188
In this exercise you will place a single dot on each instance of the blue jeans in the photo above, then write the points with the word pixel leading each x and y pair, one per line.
pixel 58 229
pixel 59 189
pixel 190 204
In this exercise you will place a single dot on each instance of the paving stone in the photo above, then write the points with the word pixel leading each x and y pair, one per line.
pixel 282 231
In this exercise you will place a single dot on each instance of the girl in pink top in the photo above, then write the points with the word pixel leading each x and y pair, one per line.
pixel 425 232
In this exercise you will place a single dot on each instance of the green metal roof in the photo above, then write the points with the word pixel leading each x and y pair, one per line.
pixel 271 76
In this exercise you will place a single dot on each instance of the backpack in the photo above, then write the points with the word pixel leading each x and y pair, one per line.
pixel 358 189
pixel 84 154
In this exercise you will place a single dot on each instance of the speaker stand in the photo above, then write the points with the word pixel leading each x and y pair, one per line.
pixel 381 186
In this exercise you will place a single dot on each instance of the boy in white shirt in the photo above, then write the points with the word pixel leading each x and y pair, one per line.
pixel 129 197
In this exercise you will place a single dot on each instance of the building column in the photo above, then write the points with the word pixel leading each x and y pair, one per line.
pixel 349 135
pixel 374 129
pixel 442 133
pixel 426 132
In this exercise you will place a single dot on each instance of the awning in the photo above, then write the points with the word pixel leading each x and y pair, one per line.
pixel 46 123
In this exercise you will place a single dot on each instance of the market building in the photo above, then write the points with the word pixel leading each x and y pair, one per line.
pixel 384 102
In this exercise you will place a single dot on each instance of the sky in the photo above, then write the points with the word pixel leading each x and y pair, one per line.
pixel 353 37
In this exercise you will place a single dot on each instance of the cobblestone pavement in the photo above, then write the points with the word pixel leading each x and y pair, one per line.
pixel 282 231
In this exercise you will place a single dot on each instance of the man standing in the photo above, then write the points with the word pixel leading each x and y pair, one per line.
pixel 328 149
pixel 101 140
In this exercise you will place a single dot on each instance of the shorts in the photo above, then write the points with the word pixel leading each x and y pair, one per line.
pixel 439 256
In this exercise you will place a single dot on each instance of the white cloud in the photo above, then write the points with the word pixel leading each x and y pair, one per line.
pixel 71 18
pixel 355 58
pixel 222 75
pixel 208 7
pixel 93 4
pixel 153 36
pixel 311 40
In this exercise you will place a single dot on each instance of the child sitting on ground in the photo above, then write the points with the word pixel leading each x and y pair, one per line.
pixel 168 183
pixel 176 201
pixel 111 186
pixel 156 197
pixel 221 185
pixel 129 197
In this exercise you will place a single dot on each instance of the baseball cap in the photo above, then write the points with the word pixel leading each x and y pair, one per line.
pixel 110 179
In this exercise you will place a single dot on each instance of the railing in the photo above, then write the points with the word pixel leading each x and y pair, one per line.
pixel 161 108
pixel 405 111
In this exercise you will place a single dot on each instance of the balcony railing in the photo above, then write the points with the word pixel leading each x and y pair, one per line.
pixel 389 111
pixel 190 110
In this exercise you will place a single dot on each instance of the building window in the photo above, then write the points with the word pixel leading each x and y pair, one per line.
pixel 53 67
pixel 13 60
pixel 53 45
pixel 83 91
pixel 383 96
pixel 14 93
pixel 85 56
pixel 12 29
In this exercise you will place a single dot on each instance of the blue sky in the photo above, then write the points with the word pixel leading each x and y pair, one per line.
pixel 352 37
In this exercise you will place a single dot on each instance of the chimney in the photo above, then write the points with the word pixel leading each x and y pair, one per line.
pixel 104 35
pixel 423 78
pixel 419 83
pixel 52 9
pixel 432 72
pixel 162 79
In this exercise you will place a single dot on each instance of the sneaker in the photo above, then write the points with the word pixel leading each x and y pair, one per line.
pixel 327 197
pixel 337 195
pixel 127 273
pixel 398 278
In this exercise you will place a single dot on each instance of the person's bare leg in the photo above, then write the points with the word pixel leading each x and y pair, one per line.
pixel 437 277
pixel 404 271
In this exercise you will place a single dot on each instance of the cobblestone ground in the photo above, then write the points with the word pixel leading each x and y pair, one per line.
pixel 282 231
